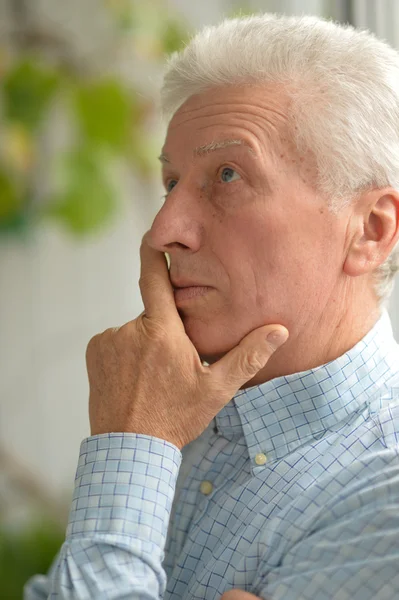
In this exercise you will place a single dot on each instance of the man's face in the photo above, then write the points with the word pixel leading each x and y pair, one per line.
pixel 245 221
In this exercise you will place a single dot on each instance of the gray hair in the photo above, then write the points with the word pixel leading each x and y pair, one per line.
pixel 343 87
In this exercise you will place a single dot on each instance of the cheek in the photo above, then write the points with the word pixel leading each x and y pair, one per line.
pixel 271 263
pixel 255 251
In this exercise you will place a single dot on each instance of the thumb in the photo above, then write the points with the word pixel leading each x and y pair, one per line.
pixel 243 362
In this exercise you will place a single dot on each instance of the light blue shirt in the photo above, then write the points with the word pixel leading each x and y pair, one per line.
pixel 292 493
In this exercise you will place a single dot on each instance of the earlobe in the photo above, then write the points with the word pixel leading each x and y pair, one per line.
pixel 356 263
pixel 376 235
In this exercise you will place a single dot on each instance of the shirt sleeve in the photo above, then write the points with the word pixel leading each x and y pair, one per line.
pixel 117 527
pixel 350 551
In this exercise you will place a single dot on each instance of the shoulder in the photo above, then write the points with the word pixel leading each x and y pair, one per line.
pixel 386 418
pixel 347 474
pixel 366 455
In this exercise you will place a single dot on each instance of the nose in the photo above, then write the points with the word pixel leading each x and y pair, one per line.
pixel 178 226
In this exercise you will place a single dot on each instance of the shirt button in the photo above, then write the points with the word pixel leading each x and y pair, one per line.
pixel 206 488
pixel 260 458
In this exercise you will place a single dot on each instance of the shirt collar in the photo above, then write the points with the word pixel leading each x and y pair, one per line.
pixel 280 415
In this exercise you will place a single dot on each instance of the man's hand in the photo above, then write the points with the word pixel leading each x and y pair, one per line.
pixel 147 377
pixel 238 595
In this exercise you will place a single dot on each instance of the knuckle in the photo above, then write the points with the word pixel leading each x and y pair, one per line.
pixel 111 331
pixel 99 340
pixel 92 349
pixel 92 344
pixel 252 362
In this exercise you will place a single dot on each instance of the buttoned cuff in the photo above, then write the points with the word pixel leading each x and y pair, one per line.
pixel 124 485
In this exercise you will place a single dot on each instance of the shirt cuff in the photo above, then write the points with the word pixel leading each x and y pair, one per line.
pixel 124 485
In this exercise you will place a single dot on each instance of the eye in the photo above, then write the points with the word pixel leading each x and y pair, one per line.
pixel 227 173
pixel 168 188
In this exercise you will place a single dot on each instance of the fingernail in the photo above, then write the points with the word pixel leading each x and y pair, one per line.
pixel 277 337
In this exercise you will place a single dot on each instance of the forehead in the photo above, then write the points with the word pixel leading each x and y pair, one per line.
pixel 258 116
pixel 257 112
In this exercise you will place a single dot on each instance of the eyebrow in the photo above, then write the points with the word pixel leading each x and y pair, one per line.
pixel 213 147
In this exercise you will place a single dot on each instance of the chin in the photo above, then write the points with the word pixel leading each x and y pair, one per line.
pixel 210 345
pixel 210 354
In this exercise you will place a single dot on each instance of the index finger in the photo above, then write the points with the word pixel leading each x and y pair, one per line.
pixel 155 286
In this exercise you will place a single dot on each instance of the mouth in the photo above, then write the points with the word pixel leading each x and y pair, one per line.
pixel 190 293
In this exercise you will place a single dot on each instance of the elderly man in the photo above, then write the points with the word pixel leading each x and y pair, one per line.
pixel 225 460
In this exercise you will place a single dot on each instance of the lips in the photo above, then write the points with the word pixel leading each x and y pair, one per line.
pixel 178 284
pixel 186 294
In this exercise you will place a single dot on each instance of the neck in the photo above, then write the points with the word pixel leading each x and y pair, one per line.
pixel 319 341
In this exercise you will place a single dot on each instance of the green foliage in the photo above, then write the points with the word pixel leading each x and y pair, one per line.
pixel 87 200
pixel 103 111
pixel 122 12
pixel 108 117
pixel 27 553
pixel 28 89
pixel 174 37
pixel 10 202
pixel 153 21
pixel 13 219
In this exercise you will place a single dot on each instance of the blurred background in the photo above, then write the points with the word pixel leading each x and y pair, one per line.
pixel 79 186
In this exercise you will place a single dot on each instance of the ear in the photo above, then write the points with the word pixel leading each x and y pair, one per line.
pixel 376 231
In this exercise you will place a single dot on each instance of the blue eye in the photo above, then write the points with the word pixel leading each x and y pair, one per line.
pixel 229 170
pixel 167 187
pixel 225 170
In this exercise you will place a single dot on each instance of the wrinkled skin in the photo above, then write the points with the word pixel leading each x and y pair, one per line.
pixel 252 226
